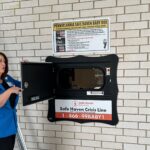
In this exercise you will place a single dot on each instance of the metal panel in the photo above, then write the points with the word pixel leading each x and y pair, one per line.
pixel 37 82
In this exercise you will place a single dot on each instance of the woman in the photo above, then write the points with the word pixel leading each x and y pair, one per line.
pixel 9 90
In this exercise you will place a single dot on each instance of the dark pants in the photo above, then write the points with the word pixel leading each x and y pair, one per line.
pixel 7 143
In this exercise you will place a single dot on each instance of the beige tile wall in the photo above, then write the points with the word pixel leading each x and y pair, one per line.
pixel 25 33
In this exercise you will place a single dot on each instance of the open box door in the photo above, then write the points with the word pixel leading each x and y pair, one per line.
pixel 37 82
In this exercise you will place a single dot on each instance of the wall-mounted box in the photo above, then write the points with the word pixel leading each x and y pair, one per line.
pixel 79 88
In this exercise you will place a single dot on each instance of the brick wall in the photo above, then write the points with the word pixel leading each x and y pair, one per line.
pixel 25 33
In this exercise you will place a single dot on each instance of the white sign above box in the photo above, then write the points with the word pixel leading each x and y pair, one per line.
pixel 81 36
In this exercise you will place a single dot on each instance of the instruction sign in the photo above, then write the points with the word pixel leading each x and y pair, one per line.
pixel 91 35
